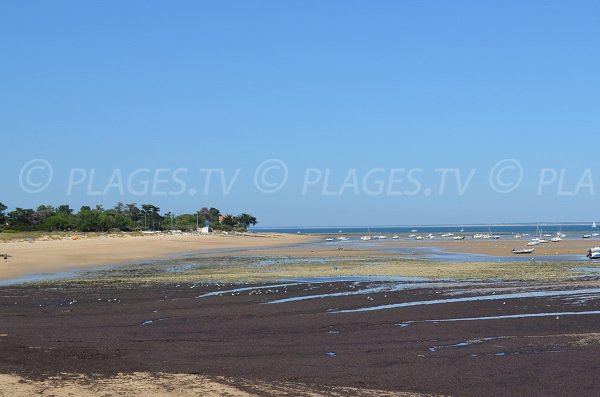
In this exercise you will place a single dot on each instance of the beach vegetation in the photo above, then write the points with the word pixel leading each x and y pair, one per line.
pixel 121 217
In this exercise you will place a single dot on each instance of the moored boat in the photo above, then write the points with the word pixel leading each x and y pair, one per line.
pixel 523 251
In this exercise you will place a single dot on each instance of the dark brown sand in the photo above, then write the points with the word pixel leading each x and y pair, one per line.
pixel 96 330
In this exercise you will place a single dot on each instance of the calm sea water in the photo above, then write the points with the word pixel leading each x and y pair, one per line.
pixel 532 229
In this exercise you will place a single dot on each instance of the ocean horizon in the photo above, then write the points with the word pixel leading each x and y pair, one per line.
pixel 496 228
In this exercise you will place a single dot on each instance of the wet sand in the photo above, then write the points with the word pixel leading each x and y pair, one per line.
pixel 65 254
pixel 102 331
pixel 502 247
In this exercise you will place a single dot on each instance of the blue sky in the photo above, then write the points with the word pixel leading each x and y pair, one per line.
pixel 348 86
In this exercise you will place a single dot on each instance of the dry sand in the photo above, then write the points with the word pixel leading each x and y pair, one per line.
pixel 183 385
pixel 62 255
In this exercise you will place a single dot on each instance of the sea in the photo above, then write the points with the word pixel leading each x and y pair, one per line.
pixel 570 229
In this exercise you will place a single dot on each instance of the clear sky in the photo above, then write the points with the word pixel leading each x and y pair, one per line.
pixel 346 94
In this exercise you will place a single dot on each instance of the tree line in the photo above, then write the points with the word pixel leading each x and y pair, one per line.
pixel 122 217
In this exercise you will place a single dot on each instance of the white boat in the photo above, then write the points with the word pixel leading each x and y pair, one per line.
pixel 459 237
pixel 593 254
pixel 448 235
pixel 593 225
pixel 413 231
pixel 395 237
pixel 382 237
pixel 533 243
pixel 343 238
pixel 478 236
pixel 586 236
pixel 419 238
pixel 496 237
pixel 412 235
pixel 518 236
pixel 523 251
pixel 595 234
pixel 555 239
pixel 595 249
pixel 330 239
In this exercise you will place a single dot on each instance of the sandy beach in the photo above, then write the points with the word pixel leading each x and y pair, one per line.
pixel 218 315
pixel 59 255
pixel 65 254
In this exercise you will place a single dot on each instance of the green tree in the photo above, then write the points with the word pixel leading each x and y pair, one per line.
pixel 229 220
pixel 134 213
pixel 2 215
pixel 246 220
pixel 21 219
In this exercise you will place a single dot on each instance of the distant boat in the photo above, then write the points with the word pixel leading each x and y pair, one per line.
pixel 518 236
pixel 593 225
pixel 459 237
pixel 412 235
pixel 396 237
pixel 413 231
pixel 523 251
pixel 448 235
pixel 419 238
pixel 586 236
pixel 595 234
pixel 533 242
pixel 382 237
pixel 329 239
pixel 556 239
pixel 365 238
